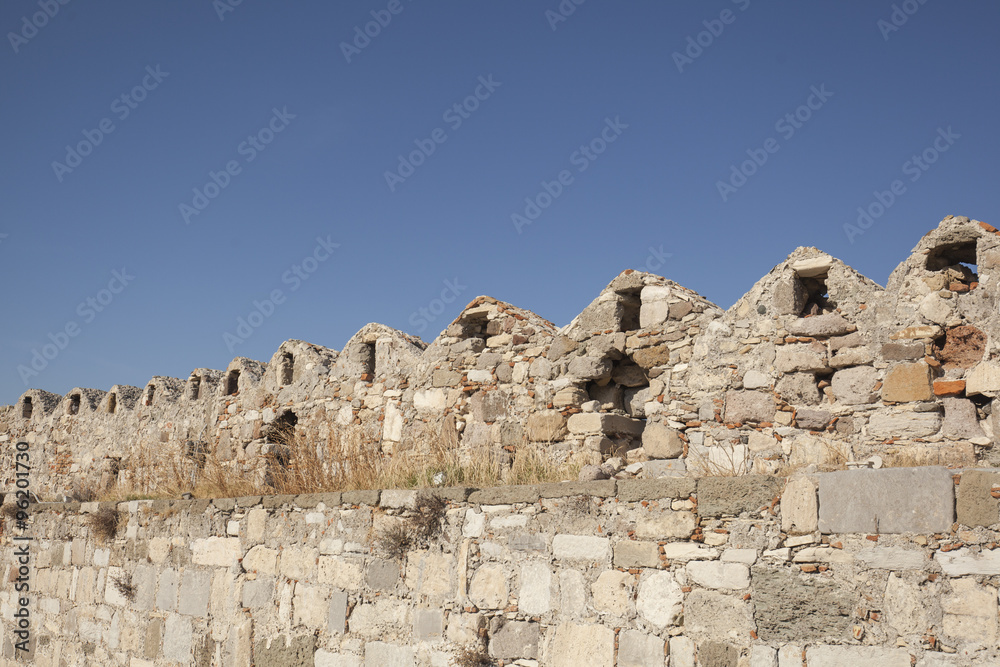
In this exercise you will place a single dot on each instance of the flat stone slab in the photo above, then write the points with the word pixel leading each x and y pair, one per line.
pixel 893 500
pixel 733 495
pixel 976 505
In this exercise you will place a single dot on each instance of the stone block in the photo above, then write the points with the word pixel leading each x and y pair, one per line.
pixel 749 406
pixel 907 383
pixel 298 562
pixel 196 587
pixel 961 421
pixel 488 588
pixel 712 615
pixel 600 489
pixel 166 594
pixel 662 442
pixel 258 592
pixel 261 559
pixel 651 357
pixel 326 658
pixel 893 558
pixel 983 379
pixel 505 495
pixel 337 617
pixel 906 606
pixel 660 600
pixel 790 655
pixel 516 640
pixel 800 507
pixel 581 548
pixel 799 388
pixel 384 654
pixel 763 656
pixel 526 542
pixel 975 503
pixel 801 358
pixel 790 606
pixel 733 495
pixel 573 645
pixel 591 368
pixel 902 351
pixel 889 423
pixel 535 595
pixel 856 656
pixel 717 574
pixel 634 490
pixel 962 562
pixel 178 639
pixel 638 649
pixel 855 386
pixel 970 613
pixel 428 624
pixel 665 523
pixel 612 592
pixel 718 654
pixel 789 296
pixel 821 326
pixel 812 420
pixel 382 575
pixel 217 551
pixel 631 553
pixel 754 379
pixel 398 499
pixel 892 500
pixel 657 469
pixel 546 426
pixel 609 424
pixel 311 606
pixel 363 497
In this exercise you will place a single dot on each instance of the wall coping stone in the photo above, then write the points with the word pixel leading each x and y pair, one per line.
pixel 630 490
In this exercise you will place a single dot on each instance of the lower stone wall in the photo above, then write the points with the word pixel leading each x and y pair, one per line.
pixel 893 568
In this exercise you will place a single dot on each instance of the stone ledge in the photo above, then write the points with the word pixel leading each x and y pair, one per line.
pixel 631 490
pixel 506 495
pixel 600 489
pixel 734 495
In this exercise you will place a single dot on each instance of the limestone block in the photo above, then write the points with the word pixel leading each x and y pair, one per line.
pixel 908 382
pixel 975 504
pixel 632 553
pixel 573 645
pixel 754 379
pixel 902 351
pixel 799 388
pixel 790 655
pixel 711 615
pixel 430 400
pixel 166 594
pixel 581 547
pixel 195 589
pixel 612 592
pixel 961 562
pixel 535 595
pixel 801 357
pixel 749 406
pixel 325 658
pixel 590 368
pixel 311 606
pixel 791 606
pixel 983 379
pixel 717 574
pixel 855 386
pixel 431 574
pixel 732 495
pixel 384 654
pixel 546 426
pixel 653 356
pixel 177 639
pixel 653 313
pixel 860 656
pixel 382 574
pixel 638 649
pixel 261 559
pixel 488 588
pixel 970 612
pixel 961 421
pixel 893 558
pixel 812 420
pixel 572 593
pixel 890 423
pixel 855 356
pixel 662 442
pixel 258 592
pixel 681 652
pixel 660 600
pixel 428 624
pixel 380 618
pixel 339 572
pixel 893 500
pixel 821 326
pixel 217 551
pixel 516 640
pixel 598 422
pixel 763 656
pixel 800 507
pixel 906 608
pixel 665 523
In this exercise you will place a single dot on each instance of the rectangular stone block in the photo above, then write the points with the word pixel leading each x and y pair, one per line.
pixel 638 649
pixel 599 422
pixel 505 495
pixel 892 500
pixel 859 656
pixel 217 551
pixel 733 495
pixel 962 562
pixel 195 590
pixel 581 547
pixel 975 503
pixel 634 490
pixel 360 498
pixel 600 489
pixel 630 553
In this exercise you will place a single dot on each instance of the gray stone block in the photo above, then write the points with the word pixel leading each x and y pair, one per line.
pixel 733 495
pixel 790 606
pixel 526 542
pixel 258 592
pixel 634 490
pixel 309 500
pixel 177 639
pixel 382 574
pixel 297 652
pixel 974 504
pixel 196 587
pixel 893 500
pixel 224 504
pixel 600 489
pixel 515 640
pixel 428 623
pixel 360 498
pixel 506 495
pixel 248 501
pixel 338 612
pixel 271 502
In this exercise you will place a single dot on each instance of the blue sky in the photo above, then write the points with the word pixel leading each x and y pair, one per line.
pixel 249 158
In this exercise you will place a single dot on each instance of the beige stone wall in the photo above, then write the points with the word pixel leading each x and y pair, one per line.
pixel 864 567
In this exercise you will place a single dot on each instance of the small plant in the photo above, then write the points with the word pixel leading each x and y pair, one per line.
pixel 105 523
pixel 124 586
pixel 396 540
pixel 473 657
pixel 429 517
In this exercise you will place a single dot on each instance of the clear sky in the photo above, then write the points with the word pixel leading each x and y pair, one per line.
pixel 170 167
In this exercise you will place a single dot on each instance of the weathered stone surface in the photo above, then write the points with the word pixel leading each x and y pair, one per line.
pixel 573 645
pixel 217 551
pixel 717 574
pixel 893 500
pixel 387 655
pixel 902 351
pixel 801 358
pixel 949 387
pixel 286 651
pixel 659 525
pixel 798 607
pixel 963 347
pixel 917 333
pixel 651 357
pixel 855 356
pixel 506 495
pixel 889 423
pixel 632 553
pixel 733 495
pixel 515 640
pixel 970 613
pixel 711 615
pixel 800 507
pixel 908 382
pixel 763 656
pixel 754 379
pixel 638 649
pixel 488 588
pixel 893 558
pixel 581 547
pixel 718 654
pixel 590 368
pixel 855 386
pixel 906 606
pixel 983 379
pixel 840 656
pixel 799 388
pixel 596 422
pixel 654 489
pixel 660 600
pixel 812 420
pixel 961 421
pixel 962 562
pixel 546 426
pixel 830 324
pixel 749 406
pixel 975 504
pixel 535 596
pixel 612 592
pixel 662 442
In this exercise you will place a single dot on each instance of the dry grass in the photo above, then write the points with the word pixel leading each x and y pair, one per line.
pixel 125 586
pixel 294 465
pixel 105 523
pixel 477 657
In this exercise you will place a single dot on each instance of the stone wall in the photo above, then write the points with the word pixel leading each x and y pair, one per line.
pixel 815 366
pixel 887 568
